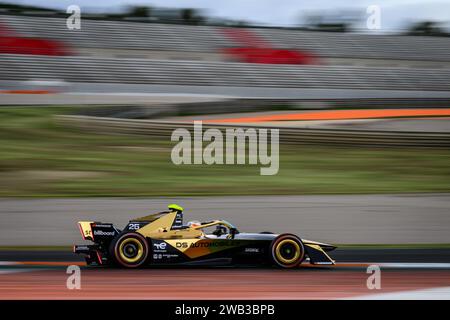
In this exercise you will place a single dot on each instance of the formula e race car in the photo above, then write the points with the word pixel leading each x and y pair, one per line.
pixel 163 239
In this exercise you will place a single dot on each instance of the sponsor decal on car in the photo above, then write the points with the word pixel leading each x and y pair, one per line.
pixel 104 233
pixel 160 246
pixel 204 244
pixel 96 225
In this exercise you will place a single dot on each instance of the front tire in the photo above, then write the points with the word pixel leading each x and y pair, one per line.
pixel 287 251
pixel 130 250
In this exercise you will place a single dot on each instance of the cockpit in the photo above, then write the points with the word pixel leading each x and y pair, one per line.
pixel 214 229
pixel 169 225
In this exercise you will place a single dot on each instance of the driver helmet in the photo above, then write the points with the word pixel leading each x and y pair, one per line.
pixel 194 223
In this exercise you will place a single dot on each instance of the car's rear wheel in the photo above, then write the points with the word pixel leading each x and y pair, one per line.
pixel 287 251
pixel 131 250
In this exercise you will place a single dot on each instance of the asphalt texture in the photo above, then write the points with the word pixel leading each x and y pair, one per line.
pixel 414 277
pixel 352 219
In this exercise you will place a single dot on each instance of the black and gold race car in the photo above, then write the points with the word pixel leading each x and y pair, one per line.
pixel 163 239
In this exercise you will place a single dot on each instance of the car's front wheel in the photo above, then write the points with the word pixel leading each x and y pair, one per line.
pixel 287 251
pixel 130 250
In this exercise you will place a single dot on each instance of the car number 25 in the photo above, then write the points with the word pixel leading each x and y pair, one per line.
pixel 133 226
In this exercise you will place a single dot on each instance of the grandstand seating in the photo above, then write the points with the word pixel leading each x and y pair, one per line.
pixel 172 72
pixel 153 36
pixel 119 35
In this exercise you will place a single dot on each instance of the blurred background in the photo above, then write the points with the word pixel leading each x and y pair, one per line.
pixel 360 92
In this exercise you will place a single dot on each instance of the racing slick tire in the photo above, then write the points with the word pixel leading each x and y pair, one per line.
pixel 130 250
pixel 287 251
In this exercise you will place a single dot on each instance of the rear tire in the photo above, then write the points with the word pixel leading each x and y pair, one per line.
pixel 287 251
pixel 130 250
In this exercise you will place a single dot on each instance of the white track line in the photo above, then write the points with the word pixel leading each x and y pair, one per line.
pixel 401 265
pixel 393 265
pixel 8 263
pixel 15 270
pixel 397 265
pixel 440 293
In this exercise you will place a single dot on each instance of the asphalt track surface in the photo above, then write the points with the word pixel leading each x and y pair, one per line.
pixel 346 280
pixel 405 273
pixel 110 93
pixel 378 219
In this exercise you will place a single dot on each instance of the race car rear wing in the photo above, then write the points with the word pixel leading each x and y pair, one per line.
pixel 98 232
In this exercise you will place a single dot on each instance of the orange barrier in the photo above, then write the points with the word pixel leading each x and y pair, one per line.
pixel 339 115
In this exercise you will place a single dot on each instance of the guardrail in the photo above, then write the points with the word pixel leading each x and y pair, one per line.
pixel 288 135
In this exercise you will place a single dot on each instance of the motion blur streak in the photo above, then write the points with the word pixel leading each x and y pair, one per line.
pixel 363 115
pixel 356 218
pixel 213 284
pixel 342 115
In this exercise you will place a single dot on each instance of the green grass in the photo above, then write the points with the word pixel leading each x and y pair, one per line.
pixel 38 158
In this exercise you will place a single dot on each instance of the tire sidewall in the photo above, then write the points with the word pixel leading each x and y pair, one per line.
pixel 116 246
pixel 277 240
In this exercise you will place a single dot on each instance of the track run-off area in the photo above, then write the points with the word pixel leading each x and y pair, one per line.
pixel 48 280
